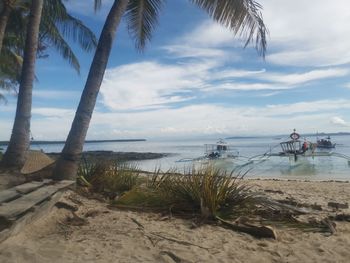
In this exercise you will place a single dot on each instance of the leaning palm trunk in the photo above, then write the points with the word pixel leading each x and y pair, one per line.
pixel 4 17
pixel 67 164
pixel 20 137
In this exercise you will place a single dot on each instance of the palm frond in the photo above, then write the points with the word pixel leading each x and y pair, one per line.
pixel 59 43
pixel 142 18
pixel 97 4
pixel 242 17
pixel 72 28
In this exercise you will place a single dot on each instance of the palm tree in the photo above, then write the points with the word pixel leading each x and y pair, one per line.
pixel 5 8
pixel 241 16
pixel 56 24
pixel 19 142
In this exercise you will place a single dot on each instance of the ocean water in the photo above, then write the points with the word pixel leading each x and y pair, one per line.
pixel 318 168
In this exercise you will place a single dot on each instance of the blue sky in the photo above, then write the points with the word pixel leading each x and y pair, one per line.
pixel 195 79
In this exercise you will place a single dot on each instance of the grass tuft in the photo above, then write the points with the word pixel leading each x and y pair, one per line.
pixel 210 192
pixel 111 178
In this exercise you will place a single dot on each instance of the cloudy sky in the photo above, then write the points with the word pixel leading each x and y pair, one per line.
pixel 195 79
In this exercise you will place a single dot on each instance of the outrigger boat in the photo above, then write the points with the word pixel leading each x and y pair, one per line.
pixel 220 150
pixel 296 148
pixel 325 143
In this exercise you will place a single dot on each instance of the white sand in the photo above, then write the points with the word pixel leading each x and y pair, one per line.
pixel 113 236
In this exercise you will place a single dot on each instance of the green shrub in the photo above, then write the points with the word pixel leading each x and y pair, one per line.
pixel 107 177
pixel 207 191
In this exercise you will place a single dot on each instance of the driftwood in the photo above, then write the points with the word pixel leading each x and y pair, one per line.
pixel 341 217
pixel 175 258
pixel 76 220
pixel 256 231
pixel 135 208
pixel 92 213
pixel 285 207
pixel 298 204
pixel 329 224
pixel 338 205
pixel 181 242
pixel 67 206
pixel 152 235
pixel 137 223
pixel 273 191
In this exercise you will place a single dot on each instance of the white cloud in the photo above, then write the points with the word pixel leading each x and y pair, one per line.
pixel 300 78
pixel 307 107
pixel 308 33
pixel 184 51
pixel 192 121
pixel 237 73
pixel 52 112
pixel 209 34
pixel 339 121
pixel 219 120
pixel 150 84
pixel 55 94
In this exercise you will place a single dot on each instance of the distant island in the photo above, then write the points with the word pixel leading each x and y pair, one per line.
pixel 283 135
pixel 5 143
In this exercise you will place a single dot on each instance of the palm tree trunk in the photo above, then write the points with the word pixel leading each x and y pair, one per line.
pixel 14 156
pixel 67 164
pixel 4 17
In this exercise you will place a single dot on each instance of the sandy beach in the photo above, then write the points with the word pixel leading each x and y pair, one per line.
pixel 107 235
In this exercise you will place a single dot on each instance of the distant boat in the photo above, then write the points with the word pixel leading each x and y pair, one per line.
pixel 220 150
pixel 295 148
pixel 325 143
pixel 215 151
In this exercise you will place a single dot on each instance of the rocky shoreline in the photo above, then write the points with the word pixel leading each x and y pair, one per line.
pixel 117 156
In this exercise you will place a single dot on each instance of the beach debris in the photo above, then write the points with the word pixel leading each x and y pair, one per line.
pixel 256 231
pixel 329 224
pixel 137 223
pixel 324 224
pixel 293 202
pixel 193 225
pixel 337 205
pixel 164 218
pixel 155 235
pixel 171 239
pixel 75 199
pixel 274 191
pixel 76 220
pixel 67 206
pixel 173 256
pixel 92 213
pixel 282 207
pixel 341 217
pixel 64 229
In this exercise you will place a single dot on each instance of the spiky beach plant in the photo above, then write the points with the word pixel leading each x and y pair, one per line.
pixel 208 192
pixel 107 177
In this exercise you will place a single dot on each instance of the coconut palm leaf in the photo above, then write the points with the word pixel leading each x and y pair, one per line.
pixel 70 27
pixel 142 18
pixel 54 38
pixel 97 4
pixel 242 17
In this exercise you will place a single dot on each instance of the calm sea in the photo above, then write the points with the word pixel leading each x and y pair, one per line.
pixel 318 168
